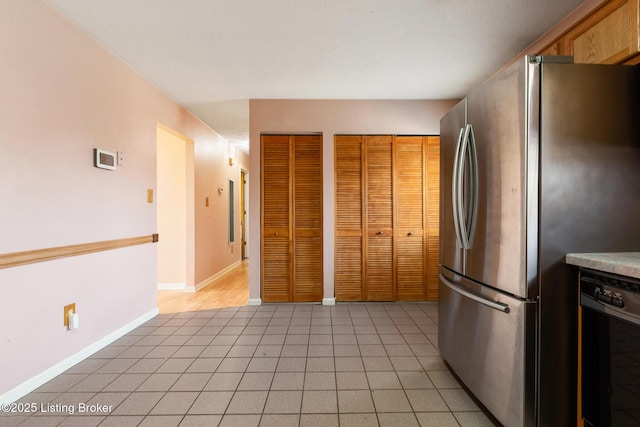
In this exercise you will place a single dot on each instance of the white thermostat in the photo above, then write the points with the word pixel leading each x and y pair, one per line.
pixel 104 159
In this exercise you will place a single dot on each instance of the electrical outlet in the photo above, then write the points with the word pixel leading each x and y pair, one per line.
pixel 67 308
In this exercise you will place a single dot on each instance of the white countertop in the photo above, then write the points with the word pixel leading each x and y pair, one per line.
pixel 622 263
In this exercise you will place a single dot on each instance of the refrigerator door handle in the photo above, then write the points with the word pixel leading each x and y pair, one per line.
pixel 473 171
pixel 455 196
pixel 462 208
pixel 477 298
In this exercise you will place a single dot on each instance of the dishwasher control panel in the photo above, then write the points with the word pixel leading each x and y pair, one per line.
pixel 610 289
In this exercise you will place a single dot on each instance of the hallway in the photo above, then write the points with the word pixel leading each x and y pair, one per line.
pixel 230 290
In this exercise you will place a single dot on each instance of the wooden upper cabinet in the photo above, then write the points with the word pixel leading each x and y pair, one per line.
pixel 609 35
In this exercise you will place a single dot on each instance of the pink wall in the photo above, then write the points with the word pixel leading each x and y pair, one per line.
pixel 418 117
pixel 61 95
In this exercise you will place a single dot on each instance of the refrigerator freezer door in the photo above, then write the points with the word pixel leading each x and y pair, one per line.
pixel 484 336
pixel 497 110
pixel 451 126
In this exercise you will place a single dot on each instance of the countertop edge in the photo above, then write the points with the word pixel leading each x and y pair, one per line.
pixel 621 263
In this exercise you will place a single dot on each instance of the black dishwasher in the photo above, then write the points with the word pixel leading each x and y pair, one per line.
pixel 610 349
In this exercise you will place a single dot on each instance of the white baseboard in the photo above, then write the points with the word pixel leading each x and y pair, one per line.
pixel 206 282
pixel 165 286
pixel 328 301
pixel 35 382
pixel 254 301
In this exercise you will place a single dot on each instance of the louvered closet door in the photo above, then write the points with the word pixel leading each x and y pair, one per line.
pixel 410 192
pixel 433 215
pixel 348 216
pixel 276 248
pixel 307 214
pixel 379 264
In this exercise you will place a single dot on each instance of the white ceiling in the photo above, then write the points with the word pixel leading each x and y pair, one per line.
pixel 212 56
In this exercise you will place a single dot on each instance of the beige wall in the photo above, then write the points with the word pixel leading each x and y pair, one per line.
pixel 61 96
pixel 417 117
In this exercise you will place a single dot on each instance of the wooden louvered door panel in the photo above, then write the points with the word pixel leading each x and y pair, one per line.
pixel 276 195
pixel 379 264
pixel 307 218
pixel 348 218
pixel 409 192
pixel 433 215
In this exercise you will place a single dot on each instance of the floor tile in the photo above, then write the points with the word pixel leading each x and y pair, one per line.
pixel 283 402
pixel 139 403
pixel 349 364
pixel 377 363
pixel 314 402
pixel 319 420
pixel 247 402
pixel 437 419
pixel 240 421
pixel 159 382
pixel 211 402
pixel 256 381
pixel 473 419
pixel 242 351
pixel 415 380
pixel 320 381
pixel 224 381
pixel 443 379
pixel 398 419
pixel 263 364
pixel 351 381
pixel 191 382
pixel 458 400
pixel 279 420
pixel 359 420
pixel 320 364
pixel 351 401
pixel 390 401
pixel 175 365
pixel 288 381
pixel 204 365
pixel 174 402
pixel 234 364
pixel 386 380
pixel 426 401
pixel 161 421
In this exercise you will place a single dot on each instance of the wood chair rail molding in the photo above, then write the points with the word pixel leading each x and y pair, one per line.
pixel 15 259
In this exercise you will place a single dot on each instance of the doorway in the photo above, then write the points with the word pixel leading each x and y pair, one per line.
pixel 244 207
pixel 174 208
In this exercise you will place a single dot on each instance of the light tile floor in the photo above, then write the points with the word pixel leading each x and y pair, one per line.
pixel 353 364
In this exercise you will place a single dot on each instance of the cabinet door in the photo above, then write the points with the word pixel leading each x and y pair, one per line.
pixel 410 218
pixel 276 193
pixel 307 218
pixel 348 210
pixel 379 267
pixel 608 36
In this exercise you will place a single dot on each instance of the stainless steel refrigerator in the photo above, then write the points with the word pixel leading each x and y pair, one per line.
pixel 541 160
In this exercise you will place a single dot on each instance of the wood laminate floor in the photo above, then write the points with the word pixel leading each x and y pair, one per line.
pixel 230 290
